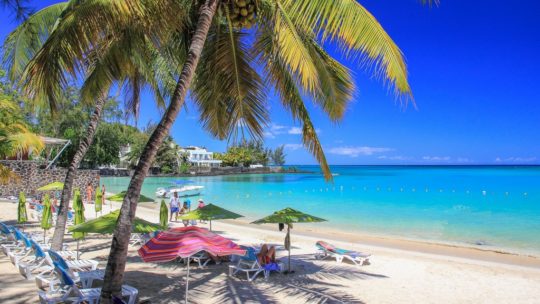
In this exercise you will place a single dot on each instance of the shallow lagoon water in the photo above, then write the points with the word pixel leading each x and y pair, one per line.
pixel 496 207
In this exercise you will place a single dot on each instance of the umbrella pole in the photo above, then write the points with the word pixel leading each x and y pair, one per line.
pixel 289 261
pixel 77 249
pixel 44 235
pixel 187 280
pixel 210 225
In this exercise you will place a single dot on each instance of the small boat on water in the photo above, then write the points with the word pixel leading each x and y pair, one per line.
pixel 180 188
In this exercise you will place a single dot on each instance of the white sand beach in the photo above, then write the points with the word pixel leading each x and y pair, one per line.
pixel 399 272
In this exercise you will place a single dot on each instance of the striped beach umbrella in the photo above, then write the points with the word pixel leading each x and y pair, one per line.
pixel 185 242
pixel 163 215
pixel 46 216
pixel 21 210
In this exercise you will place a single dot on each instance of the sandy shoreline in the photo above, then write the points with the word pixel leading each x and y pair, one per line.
pixel 436 248
pixel 400 271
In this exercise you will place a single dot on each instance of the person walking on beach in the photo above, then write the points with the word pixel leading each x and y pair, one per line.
pixel 89 190
pixel 174 207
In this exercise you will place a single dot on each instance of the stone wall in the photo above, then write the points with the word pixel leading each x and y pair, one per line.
pixel 33 177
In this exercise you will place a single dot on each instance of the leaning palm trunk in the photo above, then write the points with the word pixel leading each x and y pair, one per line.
pixel 60 228
pixel 116 263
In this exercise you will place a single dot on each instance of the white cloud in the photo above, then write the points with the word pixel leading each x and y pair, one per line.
pixel 357 151
pixel 295 131
pixel 293 146
pixel 436 158
pixel 463 160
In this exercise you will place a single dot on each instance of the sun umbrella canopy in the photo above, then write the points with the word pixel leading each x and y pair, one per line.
pixel 78 207
pixel 21 210
pixel 288 216
pixel 105 225
pixel 55 186
pixel 185 242
pixel 210 212
pixel 120 197
pixel 163 214
pixel 46 216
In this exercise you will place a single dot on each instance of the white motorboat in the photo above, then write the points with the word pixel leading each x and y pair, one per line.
pixel 188 190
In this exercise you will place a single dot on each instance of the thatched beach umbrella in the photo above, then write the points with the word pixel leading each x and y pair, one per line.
pixel 54 186
pixel 46 216
pixel 163 214
pixel 78 207
pixel 106 224
pixel 289 216
pixel 98 204
pixel 210 212
pixel 21 210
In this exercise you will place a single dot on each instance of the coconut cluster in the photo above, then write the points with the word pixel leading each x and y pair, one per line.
pixel 242 13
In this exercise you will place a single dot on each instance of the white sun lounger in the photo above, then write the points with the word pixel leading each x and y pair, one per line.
pixel 329 251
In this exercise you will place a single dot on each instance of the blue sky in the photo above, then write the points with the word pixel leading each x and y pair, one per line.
pixel 474 72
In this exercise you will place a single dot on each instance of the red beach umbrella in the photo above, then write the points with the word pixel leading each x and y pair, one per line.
pixel 185 242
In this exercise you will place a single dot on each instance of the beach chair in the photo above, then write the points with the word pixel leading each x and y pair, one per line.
pixel 70 293
pixel 249 264
pixel 326 250
pixel 17 244
pixel 7 237
pixel 201 257
pixel 41 263
pixel 83 271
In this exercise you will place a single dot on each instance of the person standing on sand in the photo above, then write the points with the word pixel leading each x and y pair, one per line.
pixel 89 190
pixel 174 204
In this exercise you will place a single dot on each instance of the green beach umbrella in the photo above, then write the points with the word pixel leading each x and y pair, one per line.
pixel 120 197
pixel 55 186
pixel 78 207
pixel 98 204
pixel 289 216
pixel 46 216
pixel 21 210
pixel 210 212
pixel 163 214
pixel 107 223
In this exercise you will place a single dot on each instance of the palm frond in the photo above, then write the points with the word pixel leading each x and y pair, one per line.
pixel 7 175
pixel 228 90
pixel 358 33
pixel 23 43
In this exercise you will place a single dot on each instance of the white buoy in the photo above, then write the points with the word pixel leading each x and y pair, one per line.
pixel 401 189
pixel 484 192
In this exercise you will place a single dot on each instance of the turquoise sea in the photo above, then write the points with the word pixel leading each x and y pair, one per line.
pixel 496 207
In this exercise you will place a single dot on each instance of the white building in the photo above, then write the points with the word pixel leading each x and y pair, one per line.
pixel 200 157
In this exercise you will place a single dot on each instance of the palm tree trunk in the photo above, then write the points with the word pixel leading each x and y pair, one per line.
pixel 116 263
pixel 61 219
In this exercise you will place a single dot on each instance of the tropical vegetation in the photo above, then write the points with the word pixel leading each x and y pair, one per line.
pixel 228 53
pixel 245 154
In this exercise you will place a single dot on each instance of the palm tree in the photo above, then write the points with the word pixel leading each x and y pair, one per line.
pixel 112 64
pixel 227 88
pixel 15 137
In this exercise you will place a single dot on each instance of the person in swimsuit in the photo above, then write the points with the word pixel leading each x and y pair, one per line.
pixel 266 255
